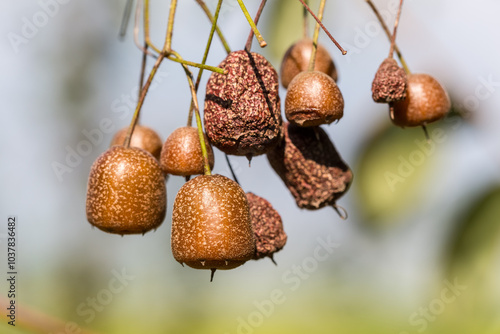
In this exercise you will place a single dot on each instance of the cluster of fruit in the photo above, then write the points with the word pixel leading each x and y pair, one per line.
pixel 215 224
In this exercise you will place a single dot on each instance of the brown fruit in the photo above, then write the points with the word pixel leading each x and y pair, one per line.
pixel 426 101
pixel 211 227
pixel 310 167
pixel 143 137
pixel 126 191
pixel 181 153
pixel 242 108
pixel 313 98
pixel 296 60
pixel 268 227
pixel 390 82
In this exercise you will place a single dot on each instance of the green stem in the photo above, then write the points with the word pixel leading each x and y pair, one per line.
pixel 212 19
pixel 256 31
pixel 312 60
pixel 198 123
pixel 143 69
pixel 388 33
pixel 324 28
pixel 205 56
pixel 248 45
pixel 144 91
pixel 172 56
pixel 146 28
pixel 170 26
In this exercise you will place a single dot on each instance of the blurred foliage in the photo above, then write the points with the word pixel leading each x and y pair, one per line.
pixel 392 168
pixel 476 238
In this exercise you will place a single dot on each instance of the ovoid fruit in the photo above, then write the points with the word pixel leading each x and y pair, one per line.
pixel 296 60
pixel 126 191
pixel 242 109
pixel 310 166
pixel 268 227
pixel 312 99
pixel 143 137
pixel 211 227
pixel 390 82
pixel 426 101
pixel 181 153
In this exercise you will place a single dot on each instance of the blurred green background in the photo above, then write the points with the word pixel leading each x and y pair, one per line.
pixel 420 252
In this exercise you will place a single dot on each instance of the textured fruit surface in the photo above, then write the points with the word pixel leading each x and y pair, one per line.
pixel 242 108
pixel 211 227
pixel 143 137
pixel 181 153
pixel 310 167
pixel 390 82
pixel 126 191
pixel 426 101
pixel 296 60
pixel 267 225
pixel 313 98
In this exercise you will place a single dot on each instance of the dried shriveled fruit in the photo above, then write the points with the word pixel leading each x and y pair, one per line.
pixel 181 153
pixel 242 108
pixel 390 82
pixel 426 101
pixel 296 60
pixel 143 137
pixel 270 236
pixel 313 98
pixel 126 191
pixel 211 227
pixel 310 166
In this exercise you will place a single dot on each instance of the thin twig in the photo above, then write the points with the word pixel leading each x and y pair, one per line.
pixel 256 31
pixel 170 26
pixel 248 45
pixel 324 28
pixel 205 56
pixel 312 60
pixel 396 23
pixel 211 18
pixel 388 33
pixel 144 91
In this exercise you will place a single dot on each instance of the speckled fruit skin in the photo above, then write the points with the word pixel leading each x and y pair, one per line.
pixel 242 113
pixel 211 227
pixel 296 60
pixel 426 101
pixel 143 137
pixel 310 166
pixel 270 237
pixel 181 153
pixel 313 98
pixel 126 191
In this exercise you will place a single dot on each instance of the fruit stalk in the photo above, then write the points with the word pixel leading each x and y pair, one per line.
pixel 170 26
pixel 256 31
pixel 388 33
pixel 312 60
pixel 248 45
pixel 144 91
pixel 198 123
pixel 211 18
pixel 205 56
pixel 324 28
pixel 396 23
